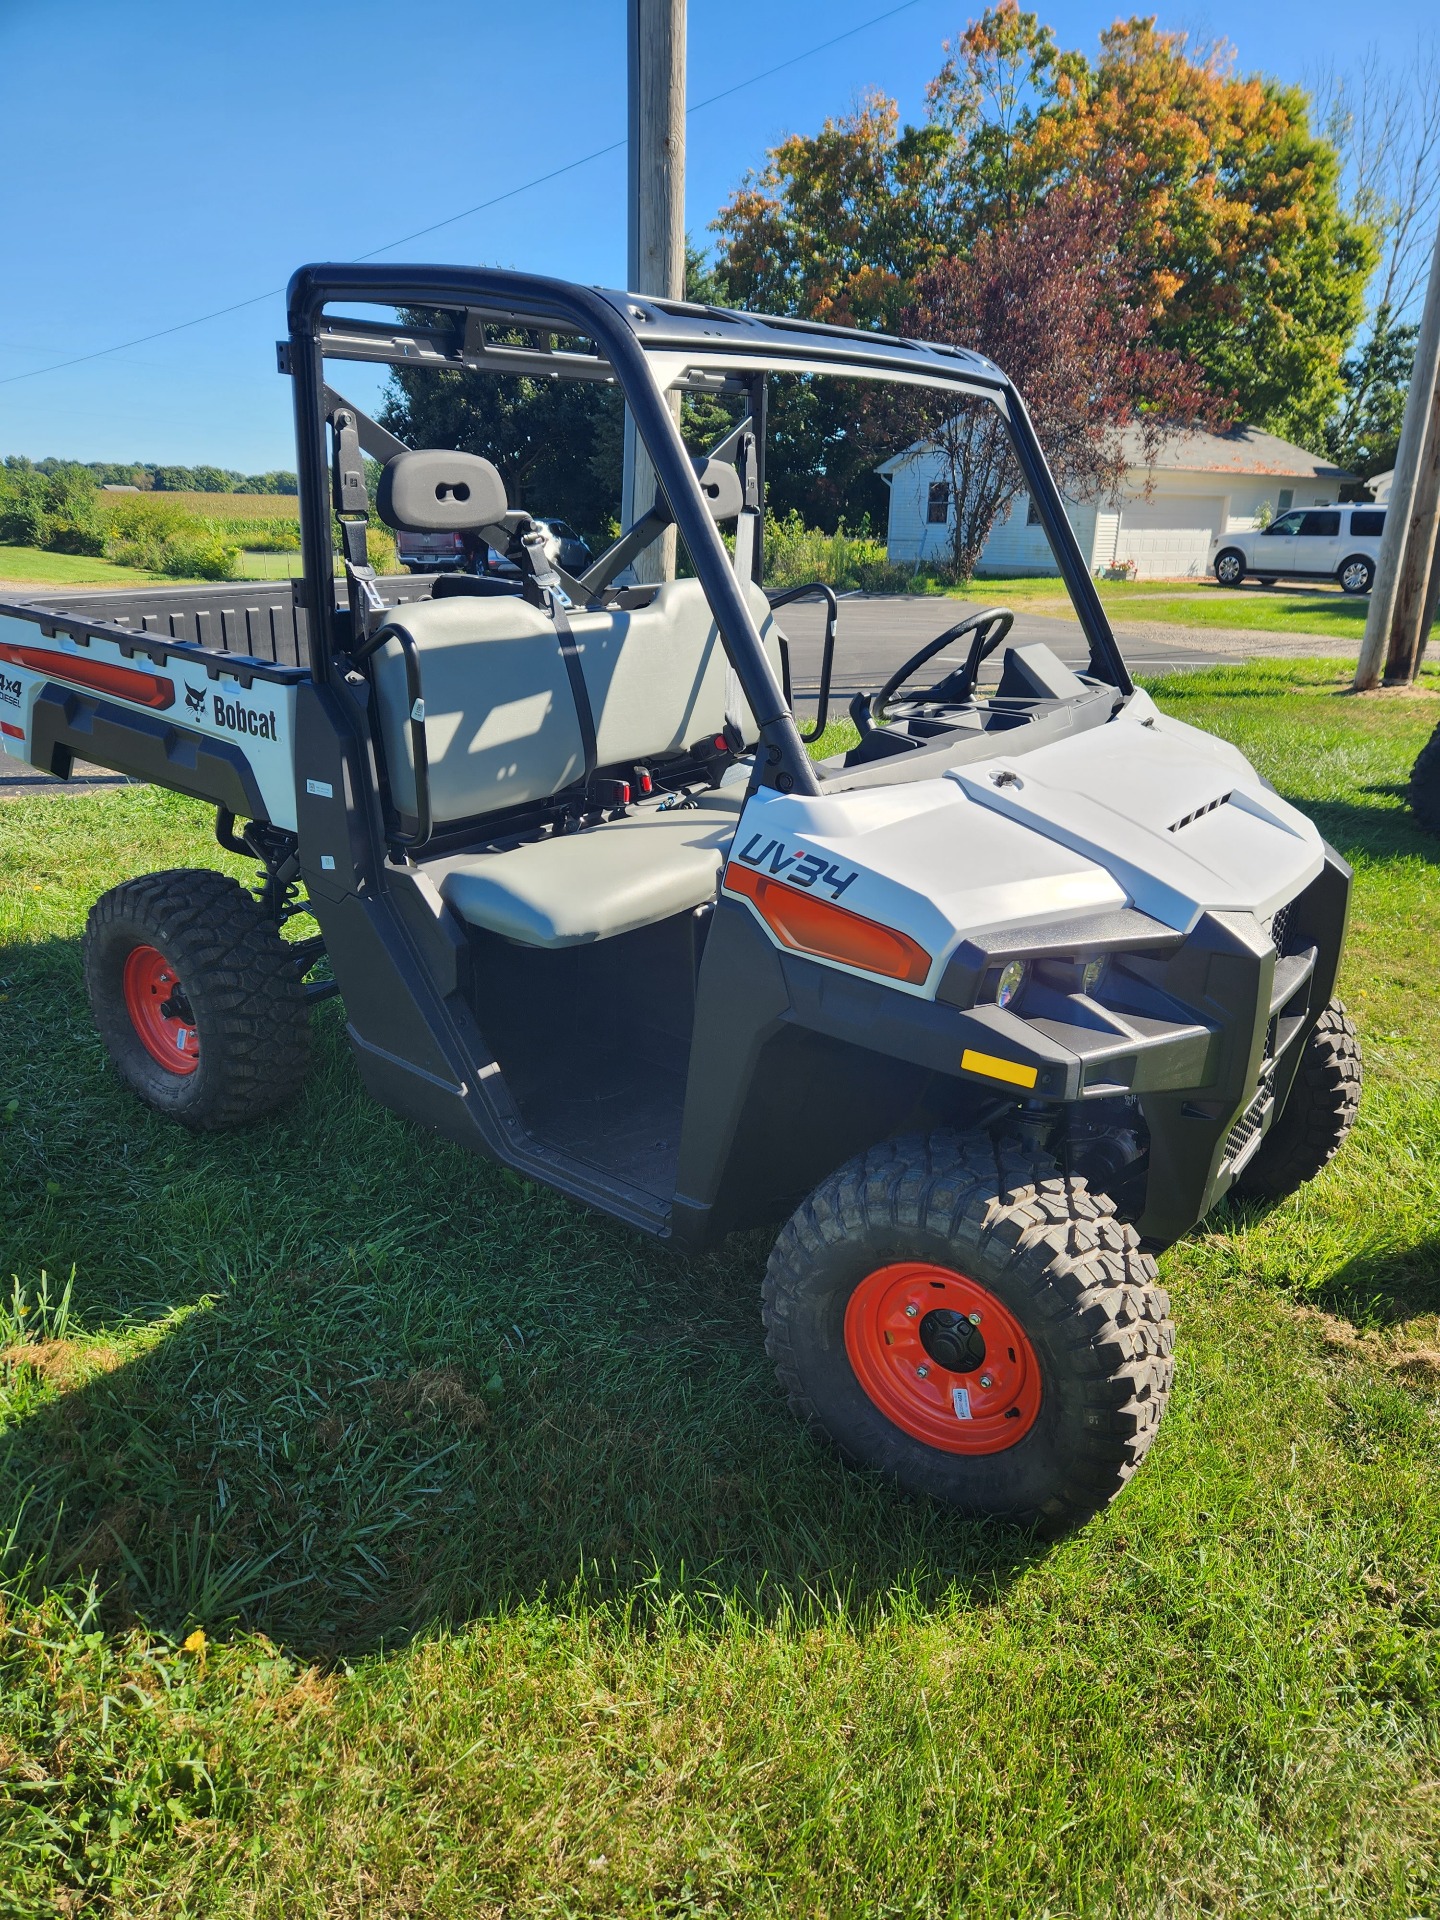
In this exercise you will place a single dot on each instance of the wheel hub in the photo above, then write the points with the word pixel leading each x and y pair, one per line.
pixel 942 1358
pixel 159 1011
pixel 952 1340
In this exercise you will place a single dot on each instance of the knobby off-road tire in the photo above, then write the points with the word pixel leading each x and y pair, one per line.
pixel 1060 1286
pixel 1324 1100
pixel 1425 785
pixel 197 998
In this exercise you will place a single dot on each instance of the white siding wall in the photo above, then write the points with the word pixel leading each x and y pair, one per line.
pixel 1013 546
pixel 1232 501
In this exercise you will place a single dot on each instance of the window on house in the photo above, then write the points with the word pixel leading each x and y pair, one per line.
pixel 1286 500
pixel 937 506
pixel 1032 514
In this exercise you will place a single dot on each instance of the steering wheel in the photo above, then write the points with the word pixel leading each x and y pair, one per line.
pixel 990 627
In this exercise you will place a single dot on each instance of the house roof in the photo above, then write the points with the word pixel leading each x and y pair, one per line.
pixel 1240 450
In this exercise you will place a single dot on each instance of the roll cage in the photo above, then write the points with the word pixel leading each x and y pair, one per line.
pixel 647 347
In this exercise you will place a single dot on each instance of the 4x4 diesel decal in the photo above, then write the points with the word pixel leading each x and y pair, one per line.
pixel 809 868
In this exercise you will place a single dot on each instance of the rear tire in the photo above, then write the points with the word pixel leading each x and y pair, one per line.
pixel 1230 567
pixel 1425 785
pixel 1312 1127
pixel 1356 575
pixel 197 998
pixel 1084 1384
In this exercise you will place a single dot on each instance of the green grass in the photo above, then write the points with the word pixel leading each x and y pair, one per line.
pixel 1331 615
pixel 69 569
pixel 521 1594
pixel 1197 603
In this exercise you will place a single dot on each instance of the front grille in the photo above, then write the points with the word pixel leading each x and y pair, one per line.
pixel 1248 1125
pixel 1278 925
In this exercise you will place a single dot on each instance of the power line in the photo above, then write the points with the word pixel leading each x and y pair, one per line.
pixel 511 193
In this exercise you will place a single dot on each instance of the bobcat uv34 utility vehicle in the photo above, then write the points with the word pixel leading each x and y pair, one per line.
pixel 978 1014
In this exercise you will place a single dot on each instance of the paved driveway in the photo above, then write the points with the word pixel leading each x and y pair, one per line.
pixel 877 632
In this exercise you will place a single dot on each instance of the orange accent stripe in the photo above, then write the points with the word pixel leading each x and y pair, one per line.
pixel 809 925
pixel 126 683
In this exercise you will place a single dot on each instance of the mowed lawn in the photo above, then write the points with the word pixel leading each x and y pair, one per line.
pixel 1193 603
pixel 387 1537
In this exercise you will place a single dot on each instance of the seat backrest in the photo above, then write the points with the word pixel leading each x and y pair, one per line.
pixel 657 675
pixel 500 721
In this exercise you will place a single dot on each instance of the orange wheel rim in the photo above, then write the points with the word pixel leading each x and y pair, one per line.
pixel 159 1011
pixel 942 1358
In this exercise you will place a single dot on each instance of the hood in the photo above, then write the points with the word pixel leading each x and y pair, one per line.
pixel 1179 819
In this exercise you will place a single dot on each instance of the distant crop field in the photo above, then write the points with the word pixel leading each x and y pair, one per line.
pixel 217 506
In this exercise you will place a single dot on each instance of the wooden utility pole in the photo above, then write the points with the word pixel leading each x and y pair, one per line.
pixel 1409 626
pixel 656 210
pixel 1393 570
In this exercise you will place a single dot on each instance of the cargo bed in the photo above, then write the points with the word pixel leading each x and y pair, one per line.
pixel 191 688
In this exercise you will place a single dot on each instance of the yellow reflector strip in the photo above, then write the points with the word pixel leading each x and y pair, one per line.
pixel 998 1069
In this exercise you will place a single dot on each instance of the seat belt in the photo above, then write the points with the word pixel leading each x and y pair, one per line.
pixel 542 589
pixel 747 527
pixel 352 510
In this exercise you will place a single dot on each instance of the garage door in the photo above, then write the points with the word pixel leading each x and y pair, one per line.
pixel 1169 538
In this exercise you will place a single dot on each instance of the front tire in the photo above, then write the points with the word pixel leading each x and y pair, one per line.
pixel 1043 1336
pixel 1230 567
pixel 1425 785
pixel 1318 1115
pixel 197 998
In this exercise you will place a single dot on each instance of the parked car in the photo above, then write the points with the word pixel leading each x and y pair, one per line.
pixel 458 552
pixel 562 544
pixel 1310 543
pixel 433 552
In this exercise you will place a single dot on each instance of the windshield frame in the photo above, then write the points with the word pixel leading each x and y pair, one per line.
pixel 651 349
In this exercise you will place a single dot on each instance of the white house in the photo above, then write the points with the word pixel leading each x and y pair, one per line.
pixel 1199 485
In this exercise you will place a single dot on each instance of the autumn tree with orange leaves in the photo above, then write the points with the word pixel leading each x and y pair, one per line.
pixel 1231 228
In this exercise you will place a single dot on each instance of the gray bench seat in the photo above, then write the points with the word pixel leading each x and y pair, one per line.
pixel 568 890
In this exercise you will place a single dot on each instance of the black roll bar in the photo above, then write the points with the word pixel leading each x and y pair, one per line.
pixel 613 322
pixel 781 760
pixel 1106 660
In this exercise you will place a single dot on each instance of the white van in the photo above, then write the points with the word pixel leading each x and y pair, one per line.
pixel 1309 543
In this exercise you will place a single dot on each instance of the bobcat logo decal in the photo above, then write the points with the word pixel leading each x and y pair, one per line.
pixel 195 699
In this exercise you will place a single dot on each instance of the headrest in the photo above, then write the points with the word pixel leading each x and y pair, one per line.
pixel 434 491
pixel 720 484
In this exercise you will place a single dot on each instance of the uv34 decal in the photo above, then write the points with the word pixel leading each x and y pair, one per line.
pixel 809 869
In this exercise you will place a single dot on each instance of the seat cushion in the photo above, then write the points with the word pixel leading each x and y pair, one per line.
pixel 571 889
pixel 500 722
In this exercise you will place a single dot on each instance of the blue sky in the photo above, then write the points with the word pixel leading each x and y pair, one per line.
pixel 166 159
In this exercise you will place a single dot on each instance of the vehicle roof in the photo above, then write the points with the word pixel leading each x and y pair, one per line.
pixel 520 300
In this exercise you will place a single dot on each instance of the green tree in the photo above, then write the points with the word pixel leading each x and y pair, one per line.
pixel 1365 432
pixel 56 509
pixel 1229 203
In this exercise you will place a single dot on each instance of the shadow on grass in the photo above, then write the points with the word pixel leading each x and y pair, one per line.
pixel 1377 832
pixel 338 1381
pixel 1381 1288
pixel 321 1486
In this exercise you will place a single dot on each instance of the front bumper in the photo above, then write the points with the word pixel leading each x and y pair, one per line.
pixel 1198 1038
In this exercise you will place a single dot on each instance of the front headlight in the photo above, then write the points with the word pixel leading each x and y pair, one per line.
pixel 1012 978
